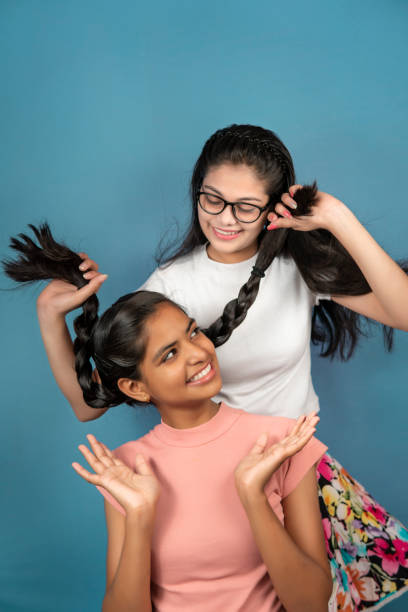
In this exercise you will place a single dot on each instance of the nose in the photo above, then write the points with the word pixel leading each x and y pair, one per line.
pixel 196 353
pixel 226 217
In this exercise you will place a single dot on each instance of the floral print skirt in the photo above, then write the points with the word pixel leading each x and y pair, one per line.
pixel 367 548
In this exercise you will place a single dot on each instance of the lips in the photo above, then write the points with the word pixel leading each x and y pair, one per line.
pixel 202 376
pixel 226 234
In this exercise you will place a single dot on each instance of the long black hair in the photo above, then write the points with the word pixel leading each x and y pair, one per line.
pixel 323 262
pixel 115 342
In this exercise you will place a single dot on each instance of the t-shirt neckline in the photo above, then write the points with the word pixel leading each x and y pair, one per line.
pixel 201 434
pixel 239 264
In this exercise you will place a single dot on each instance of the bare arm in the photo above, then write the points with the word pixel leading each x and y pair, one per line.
pixel 130 524
pixel 55 301
pixel 295 554
pixel 387 302
pixel 58 346
pixel 128 562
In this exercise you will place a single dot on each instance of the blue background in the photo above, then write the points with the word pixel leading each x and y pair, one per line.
pixel 104 108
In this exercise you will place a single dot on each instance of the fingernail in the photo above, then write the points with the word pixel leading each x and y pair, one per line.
pixel 293 204
pixel 82 267
pixel 287 214
pixel 271 226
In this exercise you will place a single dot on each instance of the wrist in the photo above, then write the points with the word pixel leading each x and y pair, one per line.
pixel 338 218
pixel 48 315
pixel 141 518
pixel 250 496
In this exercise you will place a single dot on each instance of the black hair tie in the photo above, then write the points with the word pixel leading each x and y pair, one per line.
pixel 257 272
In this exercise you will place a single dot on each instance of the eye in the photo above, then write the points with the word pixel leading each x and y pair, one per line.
pixel 212 199
pixel 195 332
pixel 243 207
pixel 169 355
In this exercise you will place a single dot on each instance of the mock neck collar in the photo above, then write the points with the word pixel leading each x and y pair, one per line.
pixel 201 434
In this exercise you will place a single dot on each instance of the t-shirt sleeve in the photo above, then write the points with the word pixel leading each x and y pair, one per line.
pixel 297 466
pixel 155 282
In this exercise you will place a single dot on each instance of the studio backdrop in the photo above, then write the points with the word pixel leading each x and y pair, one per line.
pixel 104 108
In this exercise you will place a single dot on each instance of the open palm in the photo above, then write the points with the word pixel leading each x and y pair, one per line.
pixel 133 489
pixel 254 470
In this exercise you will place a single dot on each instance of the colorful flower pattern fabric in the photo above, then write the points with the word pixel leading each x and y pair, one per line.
pixel 367 548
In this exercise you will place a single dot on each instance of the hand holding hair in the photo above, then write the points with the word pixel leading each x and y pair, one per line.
pixel 254 471
pixel 48 260
pixel 136 491
pixel 304 209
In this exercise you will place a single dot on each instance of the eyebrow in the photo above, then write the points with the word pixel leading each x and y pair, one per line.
pixel 163 349
pixel 220 194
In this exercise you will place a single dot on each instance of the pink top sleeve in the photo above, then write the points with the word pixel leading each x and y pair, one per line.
pixel 296 467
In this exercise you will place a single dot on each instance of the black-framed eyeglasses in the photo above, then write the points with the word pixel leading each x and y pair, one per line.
pixel 242 211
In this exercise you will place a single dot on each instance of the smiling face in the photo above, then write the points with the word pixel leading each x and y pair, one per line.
pixel 180 368
pixel 230 240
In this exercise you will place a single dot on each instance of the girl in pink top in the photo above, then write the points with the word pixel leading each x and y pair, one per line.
pixel 215 509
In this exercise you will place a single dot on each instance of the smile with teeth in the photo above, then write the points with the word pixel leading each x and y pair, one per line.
pixel 201 374
pixel 226 232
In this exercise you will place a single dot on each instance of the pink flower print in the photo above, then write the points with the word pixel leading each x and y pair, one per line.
pixel 389 560
pixel 325 469
pixel 327 535
pixel 379 513
pixel 401 551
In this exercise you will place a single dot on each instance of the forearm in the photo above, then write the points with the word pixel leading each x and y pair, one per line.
pixel 300 583
pixel 130 589
pixel 387 280
pixel 59 349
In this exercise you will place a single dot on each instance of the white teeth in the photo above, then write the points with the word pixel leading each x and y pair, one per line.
pixel 226 233
pixel 201 374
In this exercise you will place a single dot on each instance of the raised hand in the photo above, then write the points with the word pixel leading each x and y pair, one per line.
pixel 254 471
pixel 323 213
pixel 60 297
pixel 136 490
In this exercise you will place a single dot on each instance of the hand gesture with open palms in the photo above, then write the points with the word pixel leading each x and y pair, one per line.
pixel 254 471
pixel 135 490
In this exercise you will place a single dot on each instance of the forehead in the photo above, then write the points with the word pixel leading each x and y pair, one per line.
pixel 235 180
pixel 164 326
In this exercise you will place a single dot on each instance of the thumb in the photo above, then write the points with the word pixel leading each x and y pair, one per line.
pixel 141 466
pixel 90 288
pixel 259 445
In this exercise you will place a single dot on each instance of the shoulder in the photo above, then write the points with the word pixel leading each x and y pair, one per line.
pixel 276 426
pixel 127 452
pixel 169 276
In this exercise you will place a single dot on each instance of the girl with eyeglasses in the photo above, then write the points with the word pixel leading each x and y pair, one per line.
pixel 264 273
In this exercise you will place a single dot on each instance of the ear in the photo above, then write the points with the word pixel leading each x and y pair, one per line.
pixel 135 389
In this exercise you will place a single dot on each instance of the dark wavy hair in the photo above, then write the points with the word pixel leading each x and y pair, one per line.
pixel 324 264
pixel 115 342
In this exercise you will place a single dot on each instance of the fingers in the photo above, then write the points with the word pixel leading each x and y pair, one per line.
pixel 141 466
pixel 87 263
pixel 301 433
pixel 99 450
pixel 259 445
pixel 294 188
pixel 90 288
pixel 99 460
pixel 92 478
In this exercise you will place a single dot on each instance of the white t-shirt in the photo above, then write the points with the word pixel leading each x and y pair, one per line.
pixel 265 364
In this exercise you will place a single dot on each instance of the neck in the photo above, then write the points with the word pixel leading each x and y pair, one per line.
pixel 186 417
pixel 234 257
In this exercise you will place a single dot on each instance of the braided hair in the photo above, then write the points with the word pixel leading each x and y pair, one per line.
pixel 324 264
pixel 115 342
